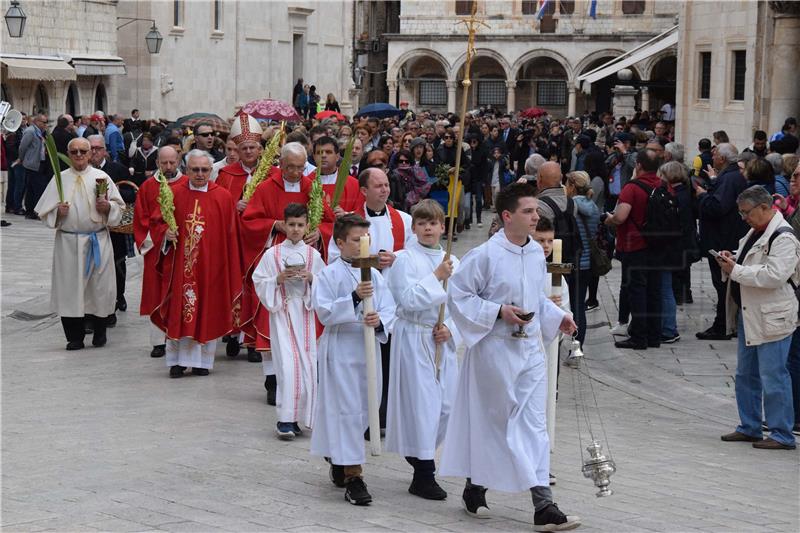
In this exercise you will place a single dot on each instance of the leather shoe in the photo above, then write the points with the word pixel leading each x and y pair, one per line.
pixel 712 334
pixel 232 347
pixel 72 345
pixel 159 350
pixel 739 437
pixel 630 345
pixel 99 342
pixel 122 304
pixel 253 356
pixel 111 321
pixel 176 371
pixel 653 344
pixel 770 444
pixel 200 371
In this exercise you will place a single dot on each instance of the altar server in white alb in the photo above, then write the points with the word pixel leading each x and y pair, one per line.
pixel 342 413
pixel 419 401
pixel 83 280
pixel 282 282
pixel 497 435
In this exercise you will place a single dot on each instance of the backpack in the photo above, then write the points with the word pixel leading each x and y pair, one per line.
pixel 566 229
pixel 598 257
pixel 662 225
pixel 774 236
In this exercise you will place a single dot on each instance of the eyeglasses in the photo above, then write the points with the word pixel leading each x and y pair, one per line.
pixel 293 167
pixel 745 214
pixel 78 152
pixel 200 170
pixel 206 134
pixel 447 137
pixel 402 161
pixel 98 148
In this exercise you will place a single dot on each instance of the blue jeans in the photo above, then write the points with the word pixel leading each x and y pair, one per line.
pixel 669 324
pixel 793 365
pixel 760 369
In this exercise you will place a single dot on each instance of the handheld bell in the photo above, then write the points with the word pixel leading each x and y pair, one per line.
pixel 575 347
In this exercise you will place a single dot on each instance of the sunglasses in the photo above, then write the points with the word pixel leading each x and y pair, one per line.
pixel 78 152
pixel 207 134
pixel 200 170
pixel 447 137
pixel 402 161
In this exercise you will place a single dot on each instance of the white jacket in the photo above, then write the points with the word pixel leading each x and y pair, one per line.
pixel 769 306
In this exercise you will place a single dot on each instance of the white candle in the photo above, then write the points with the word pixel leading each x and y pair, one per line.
pixel 556 250
pixel 364 246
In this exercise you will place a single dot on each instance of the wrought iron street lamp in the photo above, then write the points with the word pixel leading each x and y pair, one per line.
pixel 153 39
pixel 15 19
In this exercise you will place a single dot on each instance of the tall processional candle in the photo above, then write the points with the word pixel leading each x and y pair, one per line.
pixel 365 262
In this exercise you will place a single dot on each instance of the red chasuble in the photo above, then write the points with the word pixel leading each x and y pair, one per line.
pixel 257 233
pixel 146 220
pixel 233 178
pixel 201 274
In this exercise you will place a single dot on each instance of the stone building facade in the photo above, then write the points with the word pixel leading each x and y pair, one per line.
pixel 522 62
pixel 66 60
pixel 738 62
pixel 219 54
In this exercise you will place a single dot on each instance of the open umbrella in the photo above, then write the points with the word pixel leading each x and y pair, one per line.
pixel 533 112
pixel 220 125
pixel 378 110
pixel 268 109
pixel 322 115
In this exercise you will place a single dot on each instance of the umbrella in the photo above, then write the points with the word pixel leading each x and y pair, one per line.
pixel 322 115
pixel 268 109
pixel 220 125
pixel 533 112
pixel 378 110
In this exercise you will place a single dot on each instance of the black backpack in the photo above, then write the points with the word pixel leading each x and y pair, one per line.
pixel 778 231
pixel 566 229
pixel 662 225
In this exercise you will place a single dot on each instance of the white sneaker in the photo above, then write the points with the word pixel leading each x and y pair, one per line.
pixel 620 329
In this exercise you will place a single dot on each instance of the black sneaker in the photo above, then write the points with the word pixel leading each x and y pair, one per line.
pixel 427 489
pixel 670 339
pixel 73 345
pixel 285 431
pixel 296 429
pixel 552 480
pixel 176 371
pixel 552 519
pixel 474 501
pixel 591 306
pixel 356 493
pixel 796 429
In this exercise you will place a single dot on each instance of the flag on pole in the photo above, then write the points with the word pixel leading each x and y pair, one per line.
pixel 540 12
pixel 591 9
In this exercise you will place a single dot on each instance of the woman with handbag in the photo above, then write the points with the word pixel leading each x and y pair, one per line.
pixel 579 188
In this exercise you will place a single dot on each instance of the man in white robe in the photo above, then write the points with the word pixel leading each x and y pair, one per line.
pixel 342 413
pixel 497 435
pixel 420 395
pixel 282 282
pixel 84 277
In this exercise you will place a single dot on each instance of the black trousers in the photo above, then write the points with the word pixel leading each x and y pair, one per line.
pixel 721 288
pixel 644 296
pixel 35 184
pixel 682 284
pixel 120 247
pixel 385 349
pixel 74 327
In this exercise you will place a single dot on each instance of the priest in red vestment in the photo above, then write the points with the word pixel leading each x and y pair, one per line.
pixel 146 217
pixel 246 133
pixel 201 270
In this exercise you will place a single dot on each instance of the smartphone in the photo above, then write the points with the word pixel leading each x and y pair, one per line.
pixel 714 253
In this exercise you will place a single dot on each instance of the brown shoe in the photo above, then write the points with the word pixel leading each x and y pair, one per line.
pixel 739 437
pixel 769 444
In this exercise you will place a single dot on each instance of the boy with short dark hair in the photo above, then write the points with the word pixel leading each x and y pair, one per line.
pixel 282 282
pixel 342 412
pixel 420 394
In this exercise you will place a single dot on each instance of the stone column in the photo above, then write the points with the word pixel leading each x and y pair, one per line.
pixel 392 84
pixel 511 95
pixel 571 100
pixel 624 102
pixel 645 99
pixel 451 96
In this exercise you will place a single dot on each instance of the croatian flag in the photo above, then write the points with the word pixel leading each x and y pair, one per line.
pixel 591 10
pixel 542 8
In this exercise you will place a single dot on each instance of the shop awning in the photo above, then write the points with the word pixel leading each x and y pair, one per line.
pixel 640 53
pixel 99 66
pixel 46 69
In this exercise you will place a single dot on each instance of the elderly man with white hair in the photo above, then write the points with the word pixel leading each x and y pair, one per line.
pixel 201 269
pixel 83 280
pixel 262 226
pixel 721 226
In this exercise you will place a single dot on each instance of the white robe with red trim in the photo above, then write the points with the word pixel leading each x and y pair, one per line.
pixel 292 326
pixel 390 232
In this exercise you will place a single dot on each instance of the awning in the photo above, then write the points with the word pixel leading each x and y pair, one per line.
pixel 38 69
pixel 99 66
pixel 640 53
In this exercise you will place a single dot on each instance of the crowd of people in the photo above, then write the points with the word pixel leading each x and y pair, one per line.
pixel 260 252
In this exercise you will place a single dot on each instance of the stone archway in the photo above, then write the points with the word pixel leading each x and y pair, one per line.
pixel 601 97
pixel 662 77
pixel 543 81
pixel 420 77
pixel 491 83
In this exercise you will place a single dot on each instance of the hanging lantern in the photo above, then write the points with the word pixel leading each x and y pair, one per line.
pixel 15 20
